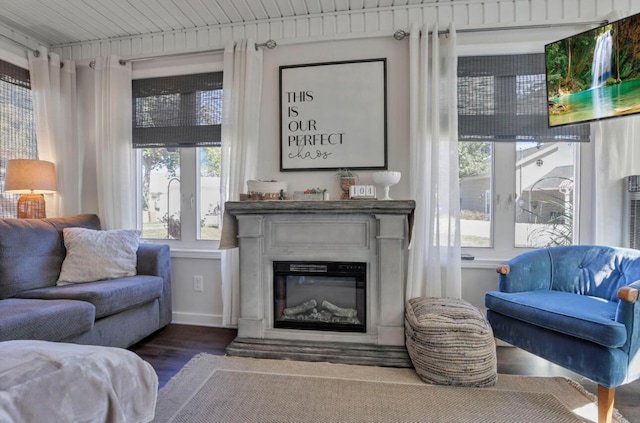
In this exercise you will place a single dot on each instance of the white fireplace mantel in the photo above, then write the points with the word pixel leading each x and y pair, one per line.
pixel 372 231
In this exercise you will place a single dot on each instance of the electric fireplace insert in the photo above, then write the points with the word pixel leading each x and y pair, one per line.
pixel 318 295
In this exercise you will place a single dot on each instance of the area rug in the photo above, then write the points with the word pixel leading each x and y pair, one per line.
pixel 235 389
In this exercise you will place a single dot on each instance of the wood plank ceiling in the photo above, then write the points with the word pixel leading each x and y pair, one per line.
pixel 63 22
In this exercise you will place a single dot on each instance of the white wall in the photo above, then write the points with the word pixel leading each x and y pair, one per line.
pixel 191 307
pixel 396 53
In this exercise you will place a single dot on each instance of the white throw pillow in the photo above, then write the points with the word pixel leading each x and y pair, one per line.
pixel 96 255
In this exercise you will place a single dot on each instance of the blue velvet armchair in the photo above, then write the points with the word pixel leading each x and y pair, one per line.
pixel 576 306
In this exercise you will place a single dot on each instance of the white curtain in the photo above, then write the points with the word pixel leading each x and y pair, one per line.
pixel 434 255
pixel 616 156
pixel 114 155
pixel 54 102
pixel 242 93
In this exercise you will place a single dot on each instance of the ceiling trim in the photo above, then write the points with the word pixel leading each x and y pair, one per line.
pixel 272 20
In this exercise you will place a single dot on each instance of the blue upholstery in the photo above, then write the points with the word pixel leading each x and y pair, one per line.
pixel 582 316
pixel 32 251
pixel 115 312
pixel 565 304
pixel 108 297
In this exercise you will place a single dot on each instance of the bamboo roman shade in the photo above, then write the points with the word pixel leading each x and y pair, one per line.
pixel 177 111
pixel 17 127
pixel 504 98
pixel 18 140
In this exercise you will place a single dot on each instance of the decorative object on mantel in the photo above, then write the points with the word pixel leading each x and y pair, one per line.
pixel 347 179
pixel 311 194
pixel 362 192
pixel 264 190
pixel 386 178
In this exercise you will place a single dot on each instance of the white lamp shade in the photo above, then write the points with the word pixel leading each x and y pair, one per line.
pixel 30 176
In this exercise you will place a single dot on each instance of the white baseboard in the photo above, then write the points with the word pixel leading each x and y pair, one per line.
pixel 195 319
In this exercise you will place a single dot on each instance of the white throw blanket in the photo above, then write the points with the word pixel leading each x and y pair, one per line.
pixel 57 382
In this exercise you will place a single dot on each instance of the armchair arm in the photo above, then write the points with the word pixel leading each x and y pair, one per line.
pixel 504 269
pixel 628 313
pixel 628 293
pixel 155 260
pixel 530 271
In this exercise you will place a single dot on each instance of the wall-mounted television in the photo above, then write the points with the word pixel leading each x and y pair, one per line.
pixel 595 74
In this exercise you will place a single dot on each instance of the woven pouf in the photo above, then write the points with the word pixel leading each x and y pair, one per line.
pixel 450 342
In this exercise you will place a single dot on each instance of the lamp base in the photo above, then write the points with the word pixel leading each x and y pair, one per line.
pixel 31 206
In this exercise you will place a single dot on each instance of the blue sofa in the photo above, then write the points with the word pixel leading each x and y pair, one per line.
pixel 115 312
pixel 575 306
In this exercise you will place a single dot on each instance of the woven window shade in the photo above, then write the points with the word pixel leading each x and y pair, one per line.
pixel 177 111
pixel 504 98
pixel 17 126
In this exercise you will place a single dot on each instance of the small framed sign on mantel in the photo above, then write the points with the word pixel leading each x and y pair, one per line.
pixel 333 115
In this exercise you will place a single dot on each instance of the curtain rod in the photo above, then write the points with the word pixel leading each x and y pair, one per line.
pixel 36 53
pixel 401 34
pixel 270 44
pixel 398 35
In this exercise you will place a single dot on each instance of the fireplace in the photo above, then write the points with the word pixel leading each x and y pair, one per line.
pixel 318 295
pixel 345 256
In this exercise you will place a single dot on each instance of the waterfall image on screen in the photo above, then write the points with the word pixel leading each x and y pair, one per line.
pixel 595 74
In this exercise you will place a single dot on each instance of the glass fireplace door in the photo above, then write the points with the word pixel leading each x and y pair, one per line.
pixel 329 296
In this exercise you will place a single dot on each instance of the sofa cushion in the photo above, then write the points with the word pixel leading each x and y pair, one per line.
pixel 98 255
pixel 585 317
pixel 32 251
pixel 109 296
pixel 44 320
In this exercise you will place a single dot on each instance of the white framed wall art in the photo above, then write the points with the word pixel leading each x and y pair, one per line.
pixel 333 115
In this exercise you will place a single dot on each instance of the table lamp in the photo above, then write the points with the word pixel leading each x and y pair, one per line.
pixel 31 178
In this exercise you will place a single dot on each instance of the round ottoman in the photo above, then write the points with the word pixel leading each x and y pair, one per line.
pixel 450 342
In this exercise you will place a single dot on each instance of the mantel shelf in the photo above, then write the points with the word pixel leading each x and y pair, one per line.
pixel 321 207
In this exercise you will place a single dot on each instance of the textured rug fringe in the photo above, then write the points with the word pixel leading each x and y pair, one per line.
pixel 593 398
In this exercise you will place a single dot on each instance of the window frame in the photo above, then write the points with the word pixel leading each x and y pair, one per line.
pixel 189 181
pixel 503 240
pixel 504 203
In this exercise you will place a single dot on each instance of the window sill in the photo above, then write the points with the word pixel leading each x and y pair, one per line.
pixel 195 253
pixel 482 263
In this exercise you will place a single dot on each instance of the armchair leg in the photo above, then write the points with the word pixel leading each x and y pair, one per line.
pixel 605 403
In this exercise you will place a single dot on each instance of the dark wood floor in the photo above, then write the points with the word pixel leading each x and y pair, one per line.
pixel 171 348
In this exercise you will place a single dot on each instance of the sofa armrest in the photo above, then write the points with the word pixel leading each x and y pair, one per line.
pixel 155 260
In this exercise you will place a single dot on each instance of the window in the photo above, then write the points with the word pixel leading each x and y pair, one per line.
pixel 17 126
pixel 177 127
pixel 517 177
